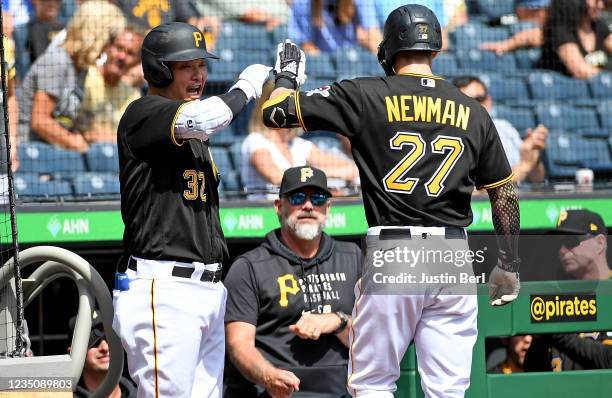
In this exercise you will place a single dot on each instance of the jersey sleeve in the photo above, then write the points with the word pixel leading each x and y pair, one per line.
pixel 333 108
pixel 242 299
pixel 493 167
pixel 150 122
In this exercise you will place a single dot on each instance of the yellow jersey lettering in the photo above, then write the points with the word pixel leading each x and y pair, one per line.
pixel 420 108
pixel 463 116
pixel 449 113
pixel 393 112
pixel 405 108
pixel 433 109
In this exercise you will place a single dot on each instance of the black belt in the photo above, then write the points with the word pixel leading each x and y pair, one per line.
pixel 404 233
pixel 185 272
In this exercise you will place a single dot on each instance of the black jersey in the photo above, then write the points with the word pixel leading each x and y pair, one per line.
pixel 169 187
pixel 421 145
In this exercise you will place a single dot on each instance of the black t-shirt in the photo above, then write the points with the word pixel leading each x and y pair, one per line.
pixel 169 189
pixel 266 288
pixel 40 34
pixel 555 36
pixel 421 145
pixel 151 14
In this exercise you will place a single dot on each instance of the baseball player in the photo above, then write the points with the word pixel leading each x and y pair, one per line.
pixel 421 147
pixel 170 316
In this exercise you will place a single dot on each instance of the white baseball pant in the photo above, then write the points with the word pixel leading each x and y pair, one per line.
pixel 172 330
pixel 442 326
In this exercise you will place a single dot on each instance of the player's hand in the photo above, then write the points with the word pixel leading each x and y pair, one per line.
pixel 537 137
pixel 503 286
pixel 252 79
pixel 280 383
pixel 312 326
pixel 290 67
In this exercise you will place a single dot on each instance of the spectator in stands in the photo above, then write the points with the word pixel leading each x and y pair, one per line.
pixel 524 155
pixel 267 153
pixel 107 93
pixel 150 14
pixel 53 87
pixel 582 253
pixel 535 11
pixel 577 42
pixel 11 101
pixel 286 317
pixel 269 13
pixel 450 13
pixel 96 364
pixel 326 25
pixel 38 32
pixel 516 349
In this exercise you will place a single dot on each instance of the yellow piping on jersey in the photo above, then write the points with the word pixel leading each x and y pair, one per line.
pixel 174 141
pixel 156 373
pixel 299 111
pixel 214 165
pixel 421 75
pixel 498 183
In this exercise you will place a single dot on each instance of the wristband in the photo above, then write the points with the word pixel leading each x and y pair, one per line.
pixel 343 321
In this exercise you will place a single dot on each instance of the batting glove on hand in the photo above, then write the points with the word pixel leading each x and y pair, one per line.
pixel 290 67
pixel 252 79
pixel 503 286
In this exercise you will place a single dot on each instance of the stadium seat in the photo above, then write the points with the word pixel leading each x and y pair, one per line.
pixel 311 84
pixel 231 183
pixel 102 157
pixel 527 59
pixel 605 114
pixel 477 60
pixel 235 151
pixel 471 35
pixel 354 62
pixel 561 160
pixel 223 137
pixel 521 26
pixel 566 117
pixel 242 36
pixel 279 34
pixel 601 85
pixel 594 154
pixel 553 86
pixel 494 9
pixel 233 61
pixel 445 64
pixel 96 184
pixel 506 88
pixel 39 157
pixel 32 185
pixel 222 159
pixel 520 118
pixel 321 66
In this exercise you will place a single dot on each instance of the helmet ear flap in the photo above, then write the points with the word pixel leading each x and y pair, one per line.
pixel 382 60
pixel 156 72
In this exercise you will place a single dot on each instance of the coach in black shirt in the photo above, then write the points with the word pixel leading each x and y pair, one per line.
pixel 286 323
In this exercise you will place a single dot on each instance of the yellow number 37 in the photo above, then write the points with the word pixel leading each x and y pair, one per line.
pixel 398 180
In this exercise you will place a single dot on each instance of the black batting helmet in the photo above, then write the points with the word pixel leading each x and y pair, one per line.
pixel 412 27
pixel 174 41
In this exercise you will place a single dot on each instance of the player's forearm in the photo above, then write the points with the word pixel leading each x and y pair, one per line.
pixel 249 361
pixel 506 222
pixel 280 111
pixel 584 350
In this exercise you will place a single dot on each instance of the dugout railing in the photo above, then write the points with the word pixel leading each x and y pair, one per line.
pixel 515 319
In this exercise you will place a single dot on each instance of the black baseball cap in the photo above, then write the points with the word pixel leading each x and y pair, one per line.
pixel 296 178
pixel 97 330
pixel 580 222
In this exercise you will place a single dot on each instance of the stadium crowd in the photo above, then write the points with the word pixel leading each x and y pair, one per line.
pixel 547 65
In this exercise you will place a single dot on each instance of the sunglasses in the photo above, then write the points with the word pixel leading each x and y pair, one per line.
pixel 572 241
pixel 95 337
pixel 316 198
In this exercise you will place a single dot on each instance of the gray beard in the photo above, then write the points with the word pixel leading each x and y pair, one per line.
pixel 304 231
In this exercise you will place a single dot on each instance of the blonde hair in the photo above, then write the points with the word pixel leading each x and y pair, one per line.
pixel 95 24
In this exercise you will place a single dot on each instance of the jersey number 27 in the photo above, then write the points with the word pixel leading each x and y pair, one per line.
pixel 397 180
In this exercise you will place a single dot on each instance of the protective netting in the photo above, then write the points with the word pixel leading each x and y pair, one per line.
pixel 77 68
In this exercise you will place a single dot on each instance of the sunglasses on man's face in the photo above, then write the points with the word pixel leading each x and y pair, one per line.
pixel 95 337
pixel 299 198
